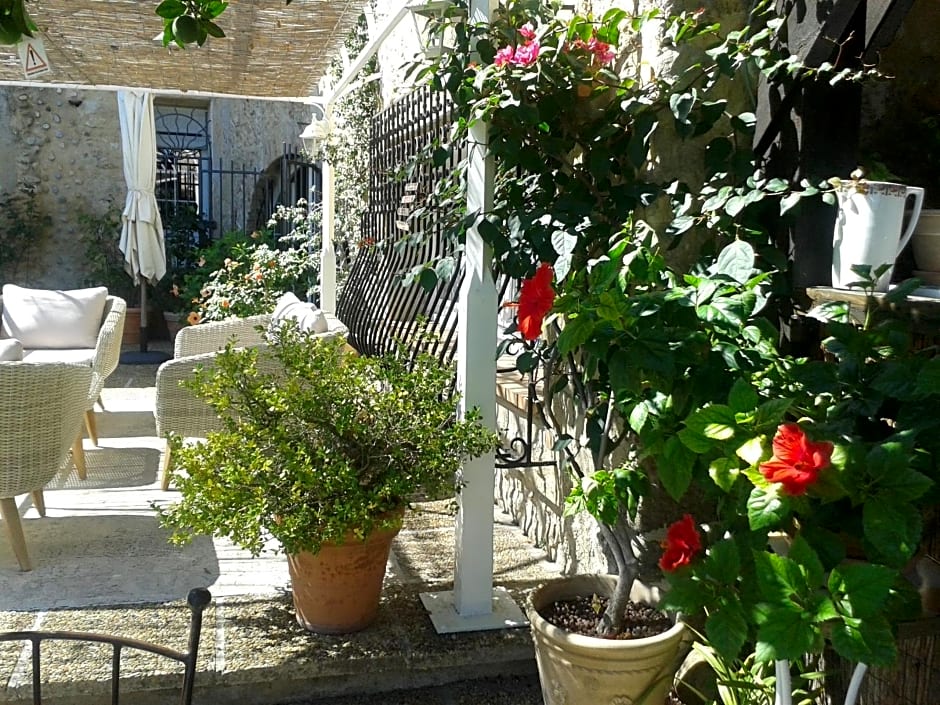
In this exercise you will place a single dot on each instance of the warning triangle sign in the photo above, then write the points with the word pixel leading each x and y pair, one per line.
pixel 33 56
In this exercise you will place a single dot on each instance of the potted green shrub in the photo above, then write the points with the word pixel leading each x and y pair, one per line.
pixel 321 450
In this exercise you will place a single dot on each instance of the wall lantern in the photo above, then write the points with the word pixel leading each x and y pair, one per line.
pixel 316 133
pixel 436 39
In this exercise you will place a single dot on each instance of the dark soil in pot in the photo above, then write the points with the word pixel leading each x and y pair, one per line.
pixel 579 616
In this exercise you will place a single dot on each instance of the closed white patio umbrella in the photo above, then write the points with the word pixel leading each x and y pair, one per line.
pixel 142 230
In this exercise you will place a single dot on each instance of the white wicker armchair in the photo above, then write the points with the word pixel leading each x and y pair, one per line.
pixel 41 408
pixel 177 409
pixel 103 360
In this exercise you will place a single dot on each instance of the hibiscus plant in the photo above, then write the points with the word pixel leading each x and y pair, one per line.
pixel 842 483
pixel 660 365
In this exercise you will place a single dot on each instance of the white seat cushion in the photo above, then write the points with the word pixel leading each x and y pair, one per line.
pixel 42 318
pixel 310 319
pixel 11 350
pixel 82 356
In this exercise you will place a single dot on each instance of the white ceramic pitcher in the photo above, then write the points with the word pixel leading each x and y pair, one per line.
pixel 869 227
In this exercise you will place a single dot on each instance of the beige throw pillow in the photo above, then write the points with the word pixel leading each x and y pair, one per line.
pixel 42 318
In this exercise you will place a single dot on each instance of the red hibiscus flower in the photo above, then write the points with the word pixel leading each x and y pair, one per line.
pixel 535 301
pixel 682 543
pixel 797 460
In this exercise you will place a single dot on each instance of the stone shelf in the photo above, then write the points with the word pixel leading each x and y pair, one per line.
pixel 924 311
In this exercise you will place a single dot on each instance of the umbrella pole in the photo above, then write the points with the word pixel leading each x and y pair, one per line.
pixel 143 357
pixel 143 315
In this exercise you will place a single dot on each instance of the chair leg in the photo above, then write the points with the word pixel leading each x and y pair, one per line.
pixel 78 457
pixel 39 501
pixel 165 470
pixel 11 517
pixel 91 426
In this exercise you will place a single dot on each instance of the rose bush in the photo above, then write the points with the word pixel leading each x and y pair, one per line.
pixel 247 274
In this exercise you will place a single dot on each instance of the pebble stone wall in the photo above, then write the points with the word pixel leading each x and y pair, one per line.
pixel 65 145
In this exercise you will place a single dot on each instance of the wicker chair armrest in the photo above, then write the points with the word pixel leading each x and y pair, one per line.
pixel 37 430
pixel 108 345
pixel 214 335
pixel 177 409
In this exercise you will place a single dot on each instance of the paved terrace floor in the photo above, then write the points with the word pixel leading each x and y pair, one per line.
pixel 103 564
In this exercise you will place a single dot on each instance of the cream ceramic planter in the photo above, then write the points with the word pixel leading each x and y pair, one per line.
pixel 583 670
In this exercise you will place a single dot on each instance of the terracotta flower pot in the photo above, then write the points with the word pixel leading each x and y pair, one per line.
pixel 337 590
pixel 584 670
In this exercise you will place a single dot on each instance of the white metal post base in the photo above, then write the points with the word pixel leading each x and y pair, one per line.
pixel 442 609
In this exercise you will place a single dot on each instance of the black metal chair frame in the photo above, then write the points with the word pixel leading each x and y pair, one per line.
pixel 198 600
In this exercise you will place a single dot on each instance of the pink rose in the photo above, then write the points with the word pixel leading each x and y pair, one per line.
pixel 504 56
pixel 526 54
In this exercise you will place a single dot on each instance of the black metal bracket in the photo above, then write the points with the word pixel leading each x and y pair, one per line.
pixel 517 452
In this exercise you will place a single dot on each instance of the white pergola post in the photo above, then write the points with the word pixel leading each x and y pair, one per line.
pixel 327 250
pixel 474 604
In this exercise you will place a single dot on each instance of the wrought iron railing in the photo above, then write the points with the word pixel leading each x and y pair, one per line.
pixel 198 600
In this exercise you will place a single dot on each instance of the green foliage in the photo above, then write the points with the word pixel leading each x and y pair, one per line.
pixel 100 237
pixel 317 442
pixel 866 398
pixel 24 233
pixel 188 21
pixel 15 22
pixel 581 135
pixel 186 236
pixel 749 681
pixel 348 150
pixel 244 275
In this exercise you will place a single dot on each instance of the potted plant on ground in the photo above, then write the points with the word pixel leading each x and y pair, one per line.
pixel 321 451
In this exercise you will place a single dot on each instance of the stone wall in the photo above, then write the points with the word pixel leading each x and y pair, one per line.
pixel 66 145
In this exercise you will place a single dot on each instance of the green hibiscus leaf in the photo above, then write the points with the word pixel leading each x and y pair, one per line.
pixel 892 528
pixel 675 467
pixel 576 332
pixel 751 451
pixel 766 507
pixel 804 555
pixel 715 422
pixel 928 379
pixel 723 561
pixel 860 590
pixel 772 412
pixel 888 459
pixel 726 630
pixel 824 610
pixel 684 595
pixel 865 641
pixel 724 472
pixel 905 485
pixel 742 396
pixel 786 633
pixel 694 441
pixel 779 579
